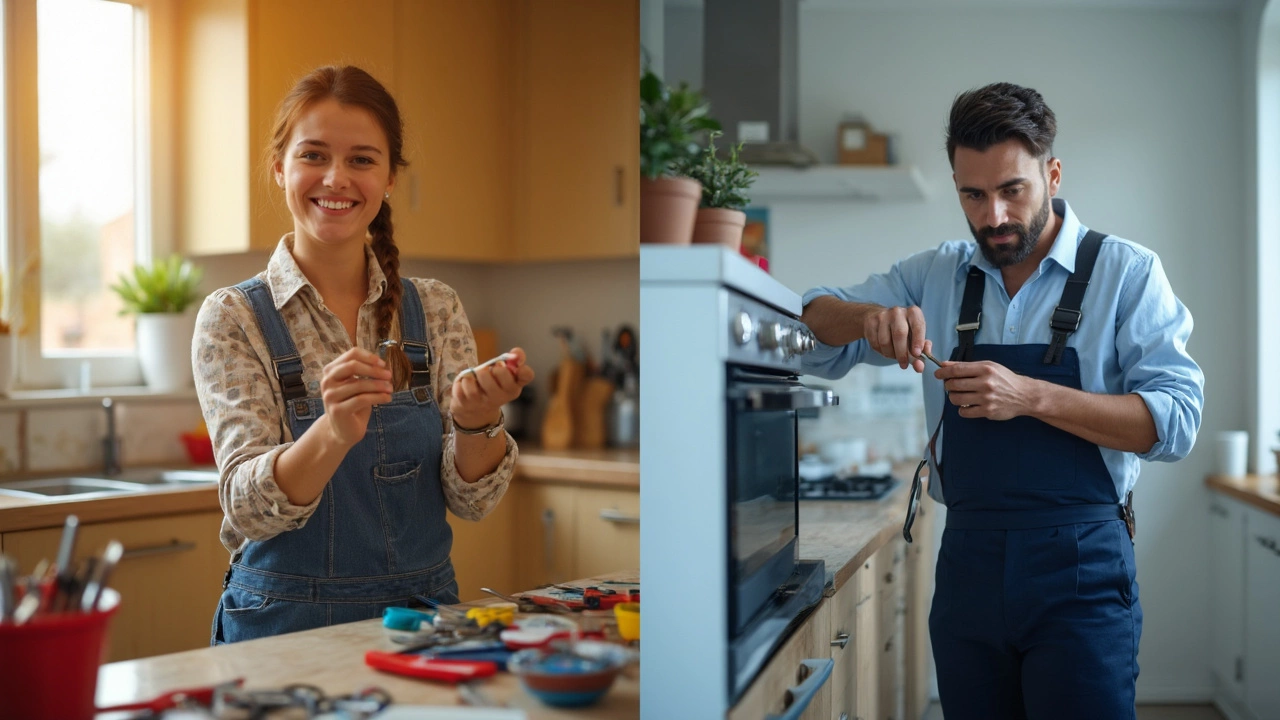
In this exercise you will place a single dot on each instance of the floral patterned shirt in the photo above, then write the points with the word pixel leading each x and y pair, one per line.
pixel 240 393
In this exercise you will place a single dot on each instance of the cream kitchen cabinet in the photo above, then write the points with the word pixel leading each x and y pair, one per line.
pixel 1262 593
pixel 483 551
pixel 565 532
pixel 1227 580
pixel 891 603
pixel 169 579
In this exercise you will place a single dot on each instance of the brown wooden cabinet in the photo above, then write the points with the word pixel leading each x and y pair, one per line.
pixel 578 90
pixel 891 600
pixel 607 531
pixel 769 695
pixel 169 579
pixel 545 535
pixel 520 120
pixel 483 551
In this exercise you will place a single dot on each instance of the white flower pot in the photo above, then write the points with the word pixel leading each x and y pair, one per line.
pixel 164 349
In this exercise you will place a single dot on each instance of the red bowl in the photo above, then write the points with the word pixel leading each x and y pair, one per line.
pixel 199 448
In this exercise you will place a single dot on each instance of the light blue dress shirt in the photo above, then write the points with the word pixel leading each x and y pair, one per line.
pixel 1132 336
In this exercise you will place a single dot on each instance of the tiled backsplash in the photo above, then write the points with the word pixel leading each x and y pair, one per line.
pixel 68 437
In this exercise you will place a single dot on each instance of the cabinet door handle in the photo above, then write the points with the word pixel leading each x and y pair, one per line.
pixel 175 546
pixel 1269 543
pixel 614 516
pixel 548 543
pixel 799 697
pixel 619 180
pixel 1216 509
pixel 841 640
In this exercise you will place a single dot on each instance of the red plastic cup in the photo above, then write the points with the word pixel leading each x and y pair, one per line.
pixel 49 665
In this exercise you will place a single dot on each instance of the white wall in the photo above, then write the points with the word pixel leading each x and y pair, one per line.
pixel 520 302
pixel 1149 106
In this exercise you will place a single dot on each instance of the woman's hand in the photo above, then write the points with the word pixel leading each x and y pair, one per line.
pixel 351 385
pixel 476 398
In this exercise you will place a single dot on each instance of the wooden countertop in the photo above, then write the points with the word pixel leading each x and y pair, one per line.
pixel 332 659
pixel 1260 491
pixel 600 468
pixel 845 533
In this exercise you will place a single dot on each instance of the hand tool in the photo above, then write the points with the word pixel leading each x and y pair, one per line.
pixel 926 356
pixel 428 668
pixel 508 358
pixel 173 699
pixel 66 569
pixel 8 575
pixel 101 574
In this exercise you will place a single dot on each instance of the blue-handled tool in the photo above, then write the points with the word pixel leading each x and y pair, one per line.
pixel 408 619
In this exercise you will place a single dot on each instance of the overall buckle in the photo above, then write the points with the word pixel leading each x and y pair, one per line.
pixel 1065 320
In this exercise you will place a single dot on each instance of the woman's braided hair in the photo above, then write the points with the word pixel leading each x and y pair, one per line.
pixel 354 87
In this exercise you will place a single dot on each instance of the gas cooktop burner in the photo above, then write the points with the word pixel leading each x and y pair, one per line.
pixel 858 487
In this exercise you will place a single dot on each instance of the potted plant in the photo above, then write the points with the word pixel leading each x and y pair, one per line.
pixel 670 120
pixel 160 296
pixel 724 182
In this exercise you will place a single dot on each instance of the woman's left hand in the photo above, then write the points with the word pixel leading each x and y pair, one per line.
pixel 477 397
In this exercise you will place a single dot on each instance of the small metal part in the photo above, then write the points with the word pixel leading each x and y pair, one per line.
pixel 385 345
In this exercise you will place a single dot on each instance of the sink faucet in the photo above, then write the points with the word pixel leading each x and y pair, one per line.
pixel 110 443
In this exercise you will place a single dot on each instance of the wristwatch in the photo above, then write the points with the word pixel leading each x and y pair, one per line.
pixel 489 431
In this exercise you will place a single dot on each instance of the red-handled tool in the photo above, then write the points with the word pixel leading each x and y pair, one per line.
pixel 202 696
pixel 428 668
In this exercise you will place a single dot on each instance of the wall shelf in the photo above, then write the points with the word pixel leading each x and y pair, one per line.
pixel 837 183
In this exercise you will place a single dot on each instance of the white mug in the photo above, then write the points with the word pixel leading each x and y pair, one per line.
pixel 1233 453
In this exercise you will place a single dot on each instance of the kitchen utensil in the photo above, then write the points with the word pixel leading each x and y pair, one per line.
pixel 569 678
pixel 557 424
pixel 624 413
pixel 590 425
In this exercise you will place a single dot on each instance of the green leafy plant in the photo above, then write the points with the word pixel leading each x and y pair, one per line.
pixel 165 287
pixel 670 120
pixel 724 181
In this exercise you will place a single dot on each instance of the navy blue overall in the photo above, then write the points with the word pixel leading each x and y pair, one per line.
pixel 378 537
pixel 1036 610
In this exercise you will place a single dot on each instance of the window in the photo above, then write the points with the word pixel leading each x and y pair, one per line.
pixel 80 110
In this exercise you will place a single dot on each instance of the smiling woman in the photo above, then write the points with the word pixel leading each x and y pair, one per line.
pixel 307 421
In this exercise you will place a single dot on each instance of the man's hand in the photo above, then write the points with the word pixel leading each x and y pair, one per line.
pixel 987 390
pixel 898 334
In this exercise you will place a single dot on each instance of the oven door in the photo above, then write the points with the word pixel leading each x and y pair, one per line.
pixel 763 483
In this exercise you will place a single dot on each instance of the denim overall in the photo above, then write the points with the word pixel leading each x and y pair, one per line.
pixel 378 537
pixel 1036 611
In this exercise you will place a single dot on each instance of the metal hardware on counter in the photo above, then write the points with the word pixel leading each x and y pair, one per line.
pixel 841 640
pixel 149 550
pixel 615 516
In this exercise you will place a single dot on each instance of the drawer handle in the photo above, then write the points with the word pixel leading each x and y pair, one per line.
pixel 841 640
pixel 1269 543
pixel 1218 510
pixel 175 546
pixel 548 543
pixel 614 516
pixel 801 695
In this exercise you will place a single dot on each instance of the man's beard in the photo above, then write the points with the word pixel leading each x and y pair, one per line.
pixel 1004 256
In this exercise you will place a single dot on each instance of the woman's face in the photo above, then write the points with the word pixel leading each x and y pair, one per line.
pixel 334 171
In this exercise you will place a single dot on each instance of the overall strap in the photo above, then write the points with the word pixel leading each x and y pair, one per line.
pixel 970 311
pixel 413 334
pixel 1066 316
pixel 284 354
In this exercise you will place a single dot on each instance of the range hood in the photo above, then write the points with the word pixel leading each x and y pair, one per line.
pixel 751 77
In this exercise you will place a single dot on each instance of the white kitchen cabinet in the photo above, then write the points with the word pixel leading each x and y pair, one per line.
pixel 1262 613
pixel 1227 583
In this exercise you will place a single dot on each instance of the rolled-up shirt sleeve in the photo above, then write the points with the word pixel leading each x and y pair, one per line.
pixel 1153 327
pixel 238 398
pixel 454 344
pixel 900 287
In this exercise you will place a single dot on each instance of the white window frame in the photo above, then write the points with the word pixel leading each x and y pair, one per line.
pixel 154 59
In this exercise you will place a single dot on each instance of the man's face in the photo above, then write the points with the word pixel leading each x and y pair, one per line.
pixel 1005 192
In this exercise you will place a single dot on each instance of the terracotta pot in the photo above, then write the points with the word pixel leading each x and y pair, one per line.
pixel 720 227
pixel 668 207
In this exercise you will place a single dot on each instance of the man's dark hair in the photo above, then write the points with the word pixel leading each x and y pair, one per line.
pixel 998 112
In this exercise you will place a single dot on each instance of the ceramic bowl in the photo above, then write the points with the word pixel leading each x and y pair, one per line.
pixel 569 679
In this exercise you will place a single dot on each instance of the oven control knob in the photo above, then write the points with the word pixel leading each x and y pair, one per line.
pixel 800 341
pixel 773 336
pixel 742 328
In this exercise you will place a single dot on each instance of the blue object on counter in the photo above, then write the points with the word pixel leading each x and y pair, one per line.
pixel 403 618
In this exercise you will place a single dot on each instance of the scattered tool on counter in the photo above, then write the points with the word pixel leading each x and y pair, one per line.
pixel 174 699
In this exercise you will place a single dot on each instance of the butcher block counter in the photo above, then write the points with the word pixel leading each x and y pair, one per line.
pixel 332 659
pixel 1259 491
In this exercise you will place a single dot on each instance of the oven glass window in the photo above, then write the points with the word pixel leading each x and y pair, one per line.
pixel 763 479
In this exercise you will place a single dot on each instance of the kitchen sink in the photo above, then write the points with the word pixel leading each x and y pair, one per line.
pixel 80 487
pixel 160 476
